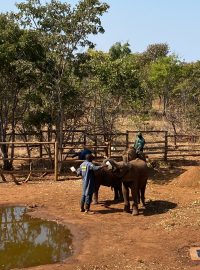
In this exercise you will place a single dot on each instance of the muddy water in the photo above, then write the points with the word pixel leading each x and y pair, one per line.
pixel 27 241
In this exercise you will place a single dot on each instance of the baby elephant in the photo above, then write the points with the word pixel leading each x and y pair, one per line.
pixel 104 177
pixel 134 176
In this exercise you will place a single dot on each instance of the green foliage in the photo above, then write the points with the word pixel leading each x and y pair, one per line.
pixel 118 50
pixel 112 88
pixel 163 76
pixel 153 53
pixel 51 76
pixel 37 120
pixel 188 94
pixel 21 55
pixel 63 31
pixel 156 51
pixel 63 28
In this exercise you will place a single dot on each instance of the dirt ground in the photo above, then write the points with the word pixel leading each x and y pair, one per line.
pixel 159 238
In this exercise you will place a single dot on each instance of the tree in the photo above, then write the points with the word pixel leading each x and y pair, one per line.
pixel 64 30
pixel 112 90
pixel 154 52
pixel 164 74
pixel 118 50
pixel 21 54
pixel 188 96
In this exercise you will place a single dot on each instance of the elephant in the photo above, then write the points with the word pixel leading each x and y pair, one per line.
pixel 105 177
pixel 130 154
pixel 134 175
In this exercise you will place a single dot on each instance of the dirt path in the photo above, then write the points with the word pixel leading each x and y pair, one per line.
pixel 159 238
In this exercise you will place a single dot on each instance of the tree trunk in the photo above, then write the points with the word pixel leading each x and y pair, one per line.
pixel 59 138
pixel 7 164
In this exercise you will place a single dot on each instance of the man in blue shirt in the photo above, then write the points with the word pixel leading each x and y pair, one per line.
pixel 82 154
pixel 87 169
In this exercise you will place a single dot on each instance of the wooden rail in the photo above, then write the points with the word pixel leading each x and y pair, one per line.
pixel 159 145
pixel 30 159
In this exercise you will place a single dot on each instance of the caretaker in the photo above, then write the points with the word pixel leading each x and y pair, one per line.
pixel 139 143
pixel 82 154
pixel 87 169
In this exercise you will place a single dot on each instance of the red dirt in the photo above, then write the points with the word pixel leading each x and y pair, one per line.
pixel 110 239
pixel 190 178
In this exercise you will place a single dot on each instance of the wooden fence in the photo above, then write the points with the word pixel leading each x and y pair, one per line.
pixel 42 157
pixel 29 160
pixel 159 144
pixel 182 146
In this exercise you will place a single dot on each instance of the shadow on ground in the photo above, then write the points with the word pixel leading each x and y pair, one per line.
pixel 152 207
pixel 158 207
pixel 109 210
pixel 165 175
pixel 107 207
pixel 170 170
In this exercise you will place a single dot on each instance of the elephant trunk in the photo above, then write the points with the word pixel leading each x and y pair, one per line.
pixel 119 168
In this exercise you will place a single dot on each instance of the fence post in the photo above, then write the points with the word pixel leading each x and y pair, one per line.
pixel 127 139
pixel 109 149
pixel 56 161
pixel 84 139
pixel 40 146
pixel 95 143
pixel 166 146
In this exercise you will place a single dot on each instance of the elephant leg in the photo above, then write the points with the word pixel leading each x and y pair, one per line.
pixel 120 193
pixel 116 194
pixel 143 195
pixel 125 191
pixel 134 192
pixel 3 177
pixel 138 196
pixel 96 194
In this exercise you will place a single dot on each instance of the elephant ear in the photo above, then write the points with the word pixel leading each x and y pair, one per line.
pixel 122 168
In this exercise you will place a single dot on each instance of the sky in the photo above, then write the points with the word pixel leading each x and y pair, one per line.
pixel 144 22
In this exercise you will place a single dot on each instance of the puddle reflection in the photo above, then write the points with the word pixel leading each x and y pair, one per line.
pixel 27 241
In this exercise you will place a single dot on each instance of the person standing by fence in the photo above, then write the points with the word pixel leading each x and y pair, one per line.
pixel 139 144
pixel 83 153
pixel 86 170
